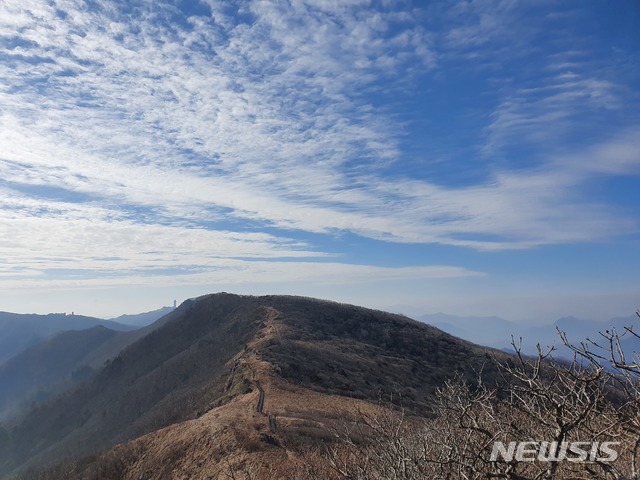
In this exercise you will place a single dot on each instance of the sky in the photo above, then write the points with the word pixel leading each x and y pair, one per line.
pixel 471 157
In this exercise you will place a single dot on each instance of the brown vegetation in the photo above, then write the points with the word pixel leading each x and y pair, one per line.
pixel 454 401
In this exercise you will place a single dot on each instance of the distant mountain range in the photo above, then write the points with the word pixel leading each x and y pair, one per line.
pixel 19 331
pixel 59 351
pixel 142 319
pixel 497 332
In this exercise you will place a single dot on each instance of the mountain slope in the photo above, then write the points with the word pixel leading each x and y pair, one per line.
pixel 59 362
pixel 359 352
pixel 48 367
pixel 213 351
pixel 162 378
pixel 19 331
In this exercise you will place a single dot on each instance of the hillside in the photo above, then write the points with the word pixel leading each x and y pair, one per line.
pixel 19 331
pixel 48 367
pixel 59 362
pixel 217 355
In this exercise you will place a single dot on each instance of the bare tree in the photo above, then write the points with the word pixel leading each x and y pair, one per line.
pixel 536 400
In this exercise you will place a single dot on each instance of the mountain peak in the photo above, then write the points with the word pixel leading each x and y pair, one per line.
pixel 225 349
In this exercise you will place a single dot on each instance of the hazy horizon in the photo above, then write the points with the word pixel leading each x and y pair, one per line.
pixel 513 314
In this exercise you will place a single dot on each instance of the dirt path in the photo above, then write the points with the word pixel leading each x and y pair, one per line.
pixel 261 399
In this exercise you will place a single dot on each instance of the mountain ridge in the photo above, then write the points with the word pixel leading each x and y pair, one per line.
pixel 142 319
pixel 211 351
pixel 19 331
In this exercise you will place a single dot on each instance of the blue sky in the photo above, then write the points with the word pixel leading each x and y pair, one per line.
pixel 473 157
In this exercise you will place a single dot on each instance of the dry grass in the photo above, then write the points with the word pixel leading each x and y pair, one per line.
pixel 230 438
pixel 353 353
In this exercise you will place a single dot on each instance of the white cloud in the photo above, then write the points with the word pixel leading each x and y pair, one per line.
pixel 260 117
pixel 555 110
pixel 221 271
